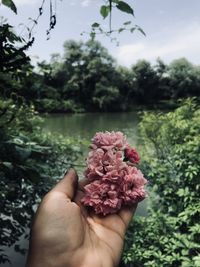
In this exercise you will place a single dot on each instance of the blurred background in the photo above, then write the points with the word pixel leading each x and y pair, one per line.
pixel 71 68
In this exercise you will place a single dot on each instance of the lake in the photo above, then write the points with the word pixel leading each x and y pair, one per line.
pixel 87 124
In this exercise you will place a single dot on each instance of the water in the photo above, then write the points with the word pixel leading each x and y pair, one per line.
pixel 87 124
pixel 84 126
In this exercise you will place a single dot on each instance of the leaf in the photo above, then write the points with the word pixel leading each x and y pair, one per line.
pixel 127 22
pixel 31 173
pixel 7 165
pixel 132 29
pixel 23 153
pixel 95 25
pixel 121 30
pixel 105 10
pixel 40 149
pixel 141 30
pixel 123 6
pixel 92 35
pixel 34 175
pixel 10 4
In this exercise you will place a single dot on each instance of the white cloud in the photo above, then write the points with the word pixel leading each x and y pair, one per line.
pixel 184 44
pixel 72 3
pixel 86 3
pixel 83 3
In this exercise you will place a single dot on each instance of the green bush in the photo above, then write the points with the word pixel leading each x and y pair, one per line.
pixel 30 162
pixel 170 235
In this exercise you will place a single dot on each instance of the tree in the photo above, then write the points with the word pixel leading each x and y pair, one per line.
pixel 83 67
pixel 184 79
pixel 12 47
pixel 126 83
pixel 161 69
pixel 146 82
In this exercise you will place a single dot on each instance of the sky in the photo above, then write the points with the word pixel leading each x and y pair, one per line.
pixel 172 28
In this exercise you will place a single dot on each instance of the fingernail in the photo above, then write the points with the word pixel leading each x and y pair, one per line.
pixel 68 170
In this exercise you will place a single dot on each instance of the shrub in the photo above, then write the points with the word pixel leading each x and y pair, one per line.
pixel 170 235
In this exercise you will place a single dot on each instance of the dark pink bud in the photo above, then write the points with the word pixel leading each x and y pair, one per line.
pixel 131 155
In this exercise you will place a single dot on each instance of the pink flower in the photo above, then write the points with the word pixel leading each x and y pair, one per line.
pixel 112 182
pixel 132 155
pixel 103 197
pixel 94 164
pixel 109 140
pixel 133 196
pixel 101 162
pixel 132 175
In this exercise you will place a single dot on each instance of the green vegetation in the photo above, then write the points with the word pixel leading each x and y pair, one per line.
pixel 170 235
pixel 30 163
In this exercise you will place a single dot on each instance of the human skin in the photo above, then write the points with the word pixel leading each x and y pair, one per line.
pixel 66 234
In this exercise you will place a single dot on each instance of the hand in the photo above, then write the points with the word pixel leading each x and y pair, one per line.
pixel 65 234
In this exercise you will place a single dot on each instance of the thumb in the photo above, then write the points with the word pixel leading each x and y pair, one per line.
pixel 127 213
pixel 68 185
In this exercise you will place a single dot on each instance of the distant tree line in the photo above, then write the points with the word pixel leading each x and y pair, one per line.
pixel 87 78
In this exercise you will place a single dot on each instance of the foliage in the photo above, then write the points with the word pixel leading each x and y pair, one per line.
pixel 10 4
pixel 146 82
pixel 106 11
pixel 121 5
pixel 13 48
pixel 30 162
pixel 184 78
pixel 82 75
pixel 170 235
pixel 104 97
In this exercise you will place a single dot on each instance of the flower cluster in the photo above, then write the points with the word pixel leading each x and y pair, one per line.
pixel 114 180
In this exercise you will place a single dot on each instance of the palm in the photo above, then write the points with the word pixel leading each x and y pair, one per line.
pixel 82 238
pixel 98 240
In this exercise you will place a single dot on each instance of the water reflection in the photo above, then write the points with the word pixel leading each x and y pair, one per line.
pixel 87 124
